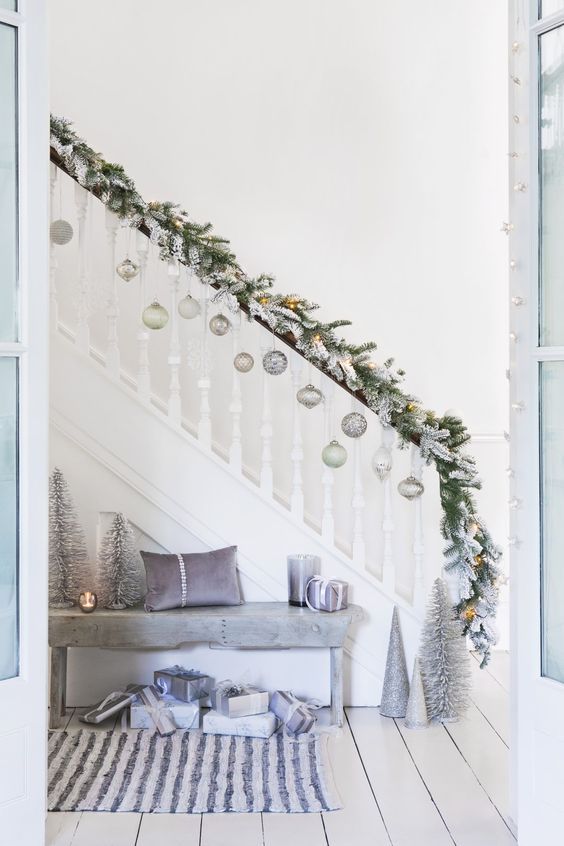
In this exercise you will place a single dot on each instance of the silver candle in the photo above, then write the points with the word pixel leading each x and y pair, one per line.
pixel 301 568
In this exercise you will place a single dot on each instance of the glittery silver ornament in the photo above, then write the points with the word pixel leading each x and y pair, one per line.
pixel 61 232
pixel 354 424
pixel 395 690
pixel 410 487
pixel 155 316
pixel 243 362
pixel 382 462
pixel 189 307
pixel 128 270
pixel 416 715
pixel 275 362
pixel 310 396
pixel 220 325
pixel 334 455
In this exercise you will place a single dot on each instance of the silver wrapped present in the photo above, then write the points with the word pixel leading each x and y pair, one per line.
pixel 185 715
pixel 258 725
pixel 187 685
pixel 158 713
pixel 296 715
pixel 111 705
pixel 238 700
pixel 326 594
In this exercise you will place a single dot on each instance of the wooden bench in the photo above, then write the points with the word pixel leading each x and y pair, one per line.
pixel 265 625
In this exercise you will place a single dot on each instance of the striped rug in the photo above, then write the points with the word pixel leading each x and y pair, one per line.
pixel 189 772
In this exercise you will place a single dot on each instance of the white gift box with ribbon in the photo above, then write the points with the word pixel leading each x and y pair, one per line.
pixel 258 725
pixel 185 715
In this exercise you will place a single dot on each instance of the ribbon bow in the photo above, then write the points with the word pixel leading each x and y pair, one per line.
pixel 324 585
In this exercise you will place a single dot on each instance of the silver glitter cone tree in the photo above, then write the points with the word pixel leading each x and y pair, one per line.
pixel 69 572
pixel 445 662
pixel 395 690
pixel 416 716
pixel 118 566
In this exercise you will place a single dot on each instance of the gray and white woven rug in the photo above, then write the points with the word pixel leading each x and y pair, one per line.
pixel 189 772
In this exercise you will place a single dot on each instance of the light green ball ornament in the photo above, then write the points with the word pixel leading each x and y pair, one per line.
pixel 189 307
pixel 334 455
pixel 155 316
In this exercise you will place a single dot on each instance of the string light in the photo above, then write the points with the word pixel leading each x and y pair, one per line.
pixel 515 47
pixel 514 541
pixel 514 503
pixel 520 186
pixel 518 406
pixel 513 264
pixel 510 472
pixel 513 336
pixel 516 119
pixel 517 301
pixel 507 227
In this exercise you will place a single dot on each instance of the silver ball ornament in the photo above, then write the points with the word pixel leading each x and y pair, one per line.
pixel 354 424
pixel 127 270
pixel 382 462
pixel 334 455
pixel 410 488
pixel 310 396
pixel 60 231
pixel 189 307
pixel 155 316
pixel 275 362
pixel 220 325
pixel 243 362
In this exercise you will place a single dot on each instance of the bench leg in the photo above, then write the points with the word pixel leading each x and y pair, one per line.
pixel 57 704
pixel 336 657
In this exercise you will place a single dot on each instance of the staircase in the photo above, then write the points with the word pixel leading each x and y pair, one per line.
pixel 160 425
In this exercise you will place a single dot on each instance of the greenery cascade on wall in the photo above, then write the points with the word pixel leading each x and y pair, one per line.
pixel 470 553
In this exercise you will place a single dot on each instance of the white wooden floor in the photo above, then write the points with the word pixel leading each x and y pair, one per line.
pixel 444 785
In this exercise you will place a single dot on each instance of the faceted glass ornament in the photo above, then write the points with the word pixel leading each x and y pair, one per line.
pixel 189 307
pixel 220 325
pixel 410 487
pixel 128 270
pixel 61 232
pixel 334 455
pixel 354 424
pixel 382 462
pixel 155 316
pixel 243 362
pixel 275 362
pixel 310 396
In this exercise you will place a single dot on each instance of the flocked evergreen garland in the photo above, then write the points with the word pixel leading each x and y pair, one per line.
pixel 470 552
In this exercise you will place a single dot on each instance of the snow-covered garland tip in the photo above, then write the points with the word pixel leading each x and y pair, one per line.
pixel 470 552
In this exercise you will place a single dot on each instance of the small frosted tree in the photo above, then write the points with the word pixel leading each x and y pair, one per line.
pixel 69 572
pixel 118 566
pixel 444 659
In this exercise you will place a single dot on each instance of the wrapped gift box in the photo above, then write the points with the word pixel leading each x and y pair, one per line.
pixel 111 705
pixel 295 715
pixel 236 700
pixel 180 683
pixel 327 594
pixel 258 725
pixel 158 713
pixel 185 715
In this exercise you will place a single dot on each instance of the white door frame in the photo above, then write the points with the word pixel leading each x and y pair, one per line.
pixel 23 699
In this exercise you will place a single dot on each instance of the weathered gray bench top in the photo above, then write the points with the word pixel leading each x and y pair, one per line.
pixel 267 625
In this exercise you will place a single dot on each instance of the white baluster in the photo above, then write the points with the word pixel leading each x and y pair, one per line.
pixel 204 423
pixel 83 312
pixel 418 544
pixel 174 359
pixel 143 368
pixel 358 504
pixel 388 575
pixel 297 455
pixel 53 307
pixel 327 477
pixel 112 304
pixel 235 406
pixel 266 474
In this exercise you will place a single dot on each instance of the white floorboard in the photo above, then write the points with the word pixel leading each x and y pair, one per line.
pixel 491 699
pixel 104 829
pixel 61 828
pixel 169 830
pixel 293 830
pixel 225 829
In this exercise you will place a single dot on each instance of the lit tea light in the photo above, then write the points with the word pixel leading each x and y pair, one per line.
pixel 88 601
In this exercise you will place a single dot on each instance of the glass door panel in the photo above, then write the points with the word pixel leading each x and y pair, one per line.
pixel 551 168
pixel 548 7
pixel 8 185
pixel 10 5
pixel 8 518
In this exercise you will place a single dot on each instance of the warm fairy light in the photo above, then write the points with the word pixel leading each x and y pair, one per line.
pixel 473 528
pixel 410 406
pixel 470 614
pixel 513 264
pixel 517 301
pixel 371 365
pixel 317 339
pixel 516 46
pixel 513 336
pixel 507 227
pixel 520 186
pixel 292 302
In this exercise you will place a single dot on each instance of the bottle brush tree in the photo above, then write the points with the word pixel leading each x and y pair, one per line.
pixel 118 566
pixel 69 572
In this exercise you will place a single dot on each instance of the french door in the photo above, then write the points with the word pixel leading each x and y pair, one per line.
pixel 536 238
pixel 23 420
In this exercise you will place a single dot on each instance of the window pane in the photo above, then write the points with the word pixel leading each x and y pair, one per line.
pixel 8 518
pixel 8 185
pixel 547 7
pixel 11 5
pixel 551 145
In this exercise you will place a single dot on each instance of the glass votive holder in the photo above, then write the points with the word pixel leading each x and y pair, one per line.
pixel 301 568
pixel 88 601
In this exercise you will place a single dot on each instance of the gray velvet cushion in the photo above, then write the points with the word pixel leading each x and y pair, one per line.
pixel 210 579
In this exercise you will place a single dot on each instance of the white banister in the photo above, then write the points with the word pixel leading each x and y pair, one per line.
pixel 358 505
pixel 266 474
pixel 112 304
pixel 297 455
pixel 418 541
pixel 53 307
pixel 204 422
pixel 83 307
pixel 174 358
pixel 388 575
pixel 327 476
pixel 235 406
pixel 143 367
